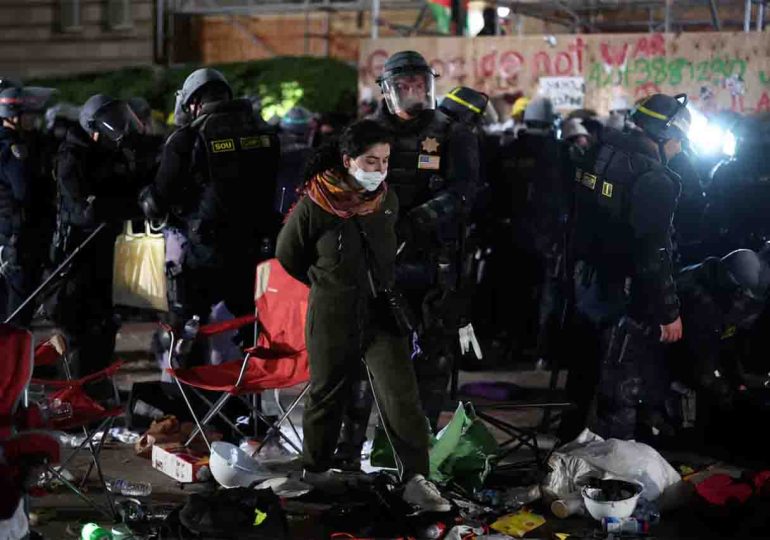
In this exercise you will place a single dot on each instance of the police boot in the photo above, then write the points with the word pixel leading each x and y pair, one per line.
pixel 353 432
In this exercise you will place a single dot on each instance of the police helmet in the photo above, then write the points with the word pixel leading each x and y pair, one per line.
pixel 296 121
pixel 11 102
pixel 539 113
pixel 16 100
pixel 7 82
pixel 110 117
pixel 574 128
pixel 408 83
pixel 206 83
pixel 749 270
pixel 663 117
pixel 182 117
pixel 141 109
pixel 465 104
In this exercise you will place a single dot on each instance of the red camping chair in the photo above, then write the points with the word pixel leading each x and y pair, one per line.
pixel 88 415
pixel 18 450
pixel 278 360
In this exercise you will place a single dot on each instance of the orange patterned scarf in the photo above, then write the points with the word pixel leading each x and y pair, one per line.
pixel 329 191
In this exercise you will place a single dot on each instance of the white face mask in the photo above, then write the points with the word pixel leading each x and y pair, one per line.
pixel 369 180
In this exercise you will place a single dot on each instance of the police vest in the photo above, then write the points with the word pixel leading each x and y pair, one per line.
pixel 531 167
pixel 239 172
pixel 418 162
pixel 603 200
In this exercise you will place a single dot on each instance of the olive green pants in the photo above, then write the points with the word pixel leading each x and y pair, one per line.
pixel 334 366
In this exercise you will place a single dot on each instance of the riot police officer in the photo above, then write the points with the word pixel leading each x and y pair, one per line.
pixel 434 170
pixel 625 289
pixel 720 299
pixel 16 179
pixel 738 193
pixel 98 180
pixel 533 197
pixel 215 183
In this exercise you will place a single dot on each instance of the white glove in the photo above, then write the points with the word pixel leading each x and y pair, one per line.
pixel 468 340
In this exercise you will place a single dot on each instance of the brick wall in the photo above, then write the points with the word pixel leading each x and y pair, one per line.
pixel 32 42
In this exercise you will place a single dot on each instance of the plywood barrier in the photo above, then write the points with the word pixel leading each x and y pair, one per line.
pixel 717 70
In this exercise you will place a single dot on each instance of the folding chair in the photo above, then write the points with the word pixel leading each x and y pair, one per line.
pixel 278 360
pixel 18 449
pixel 88 415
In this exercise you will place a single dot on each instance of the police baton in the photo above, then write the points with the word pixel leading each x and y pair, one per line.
pixel 55 273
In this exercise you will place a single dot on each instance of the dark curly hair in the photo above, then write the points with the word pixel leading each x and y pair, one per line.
pixel 355 140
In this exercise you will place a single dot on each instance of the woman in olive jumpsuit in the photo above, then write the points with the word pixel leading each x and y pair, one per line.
pixel 339 233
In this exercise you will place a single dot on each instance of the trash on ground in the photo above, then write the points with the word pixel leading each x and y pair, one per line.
pixel 611 498
pixel 181 464
pixel 518 524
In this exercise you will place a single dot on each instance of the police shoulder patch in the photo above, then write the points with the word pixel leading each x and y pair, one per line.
pixel 255 141
pixel 223 145
pixel 19 151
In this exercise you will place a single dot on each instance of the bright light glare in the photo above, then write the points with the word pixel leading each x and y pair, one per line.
pixel 728 148
pixel 708 138
pixel 503 11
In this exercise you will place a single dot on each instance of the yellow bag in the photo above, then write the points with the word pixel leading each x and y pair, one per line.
pixel 139 270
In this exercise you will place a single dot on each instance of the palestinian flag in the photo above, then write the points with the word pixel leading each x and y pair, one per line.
pixel 442 12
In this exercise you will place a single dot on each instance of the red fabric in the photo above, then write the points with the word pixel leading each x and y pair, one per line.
pixel 96 376
pixel 46 354
pixel 15 372
pixel 280 358
pixel 261 374
pixel 281 303
pixel 719 489
pixel 224 326
pixel 84 409
pixel 26 444
pixel 762 483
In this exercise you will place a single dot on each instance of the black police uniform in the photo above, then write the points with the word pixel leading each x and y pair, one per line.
pixel 624 286
pixel 97 183
pixel 217 180
pixel 737 200
pixel 719 305
pixel 434 170
pixel 16 179
pixel 537 204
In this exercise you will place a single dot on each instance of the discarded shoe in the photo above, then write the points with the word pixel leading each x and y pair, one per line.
pixel 421 493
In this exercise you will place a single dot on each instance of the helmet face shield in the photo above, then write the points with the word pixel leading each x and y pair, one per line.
pixel 409 92
pixel 679 125
pixel 116 120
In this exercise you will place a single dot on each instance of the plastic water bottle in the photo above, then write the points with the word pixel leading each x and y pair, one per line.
pixel 625 525
pixel 189 332
pixel 129 489
pixel 92 531
pixel 55 409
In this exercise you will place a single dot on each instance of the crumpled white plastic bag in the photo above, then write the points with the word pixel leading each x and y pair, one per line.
pixel 591 456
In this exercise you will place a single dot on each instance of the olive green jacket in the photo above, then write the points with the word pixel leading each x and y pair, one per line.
pixel 326 251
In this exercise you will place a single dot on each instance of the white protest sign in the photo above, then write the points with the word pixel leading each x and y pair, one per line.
pixel 564 92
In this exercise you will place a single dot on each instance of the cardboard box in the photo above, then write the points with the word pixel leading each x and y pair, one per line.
pixel 181 465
